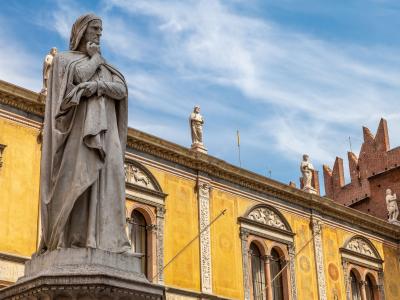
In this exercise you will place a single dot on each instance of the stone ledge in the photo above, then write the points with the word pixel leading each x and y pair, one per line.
pixel 78 261
pixel 83 273
pixel 79 287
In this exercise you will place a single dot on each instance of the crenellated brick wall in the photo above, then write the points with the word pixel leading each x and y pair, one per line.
pixel 372 172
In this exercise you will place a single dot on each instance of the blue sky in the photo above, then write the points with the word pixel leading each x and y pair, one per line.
pixel 293 76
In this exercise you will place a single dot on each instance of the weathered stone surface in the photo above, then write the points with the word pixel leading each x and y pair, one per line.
pixel 80 261
pixel 83 273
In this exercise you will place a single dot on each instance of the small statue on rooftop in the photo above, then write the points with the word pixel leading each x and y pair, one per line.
pixel 307 169
pixel 196 122
pixel 392 208
pixel 48 61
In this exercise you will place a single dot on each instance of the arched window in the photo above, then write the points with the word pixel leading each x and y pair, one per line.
pixel 139 238
pixel 355 287
pixel 369 288
pixel 257 272
pixel 276 268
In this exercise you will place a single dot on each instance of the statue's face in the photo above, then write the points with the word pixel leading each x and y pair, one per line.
pixel 53 51
pixel 197 109
pixel 93 32
pixel 305 157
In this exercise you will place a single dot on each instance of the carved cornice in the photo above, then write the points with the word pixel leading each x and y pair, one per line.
pixel 163 149
pixel 13 257
pixel 21 98
pixel 29 101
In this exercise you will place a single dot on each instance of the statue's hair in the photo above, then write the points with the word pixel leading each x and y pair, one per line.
pixel 79 28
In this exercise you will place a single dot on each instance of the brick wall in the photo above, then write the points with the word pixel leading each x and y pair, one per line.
pixel 372 172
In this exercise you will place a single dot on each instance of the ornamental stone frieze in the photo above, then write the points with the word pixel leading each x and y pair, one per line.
pixel 267 217
pixel 203 192
pixel 2 147
pixel 316 227
pixel 360 246
pixel 134 175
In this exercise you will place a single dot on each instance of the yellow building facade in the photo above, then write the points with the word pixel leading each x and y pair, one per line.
pixel 206 229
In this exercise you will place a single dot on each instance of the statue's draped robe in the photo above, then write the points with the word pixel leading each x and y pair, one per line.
pixel 196 128
pixel 82 185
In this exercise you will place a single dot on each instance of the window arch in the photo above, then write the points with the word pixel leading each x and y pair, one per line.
pixel 145 196
pixel 257 272
pixel 264 227
pixel 138 236
pixel 276 266
pixel 355 286
pixel 369 288
pixel 363 269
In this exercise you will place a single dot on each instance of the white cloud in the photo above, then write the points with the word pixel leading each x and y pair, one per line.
pixel 325 85
pixel 315 93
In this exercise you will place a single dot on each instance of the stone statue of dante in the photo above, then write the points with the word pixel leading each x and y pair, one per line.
pixel 82 183
pixel 392 207
pixel 48 61
pixel 196 126
pixel 306 169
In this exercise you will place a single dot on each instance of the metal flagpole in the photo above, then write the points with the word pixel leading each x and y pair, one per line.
pixel 238 145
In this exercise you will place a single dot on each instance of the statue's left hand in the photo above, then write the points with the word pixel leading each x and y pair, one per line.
pixel 90 88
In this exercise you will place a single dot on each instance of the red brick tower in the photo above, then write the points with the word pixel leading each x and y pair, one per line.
pixel 376 169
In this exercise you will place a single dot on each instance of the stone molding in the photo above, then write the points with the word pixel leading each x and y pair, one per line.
pixel 82 287
pixel 212 166
pixel 14 258
pixel 20 98
pixel 203 192
pixel 28 101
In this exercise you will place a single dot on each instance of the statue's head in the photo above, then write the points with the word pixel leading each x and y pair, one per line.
pixel 305 157
pixel 388 191
pixel 87 28
pixel 53 51
pixel 196 109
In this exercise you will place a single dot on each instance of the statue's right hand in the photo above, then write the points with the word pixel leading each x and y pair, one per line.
pixel 90 88
pixel 92 48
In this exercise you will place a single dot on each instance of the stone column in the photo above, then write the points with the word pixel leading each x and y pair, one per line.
pixel 319 257
pixel 160 244
pixel 381 289
pixel 362 289
pixel 347 282
pixel 244 235
pixel 203 192
pixel 292 271
pixel 268 279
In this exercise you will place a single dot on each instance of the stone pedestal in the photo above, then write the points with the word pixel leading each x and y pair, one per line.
pixel 395 222
pixel 199 147
pixel 310 190
pixel 83 274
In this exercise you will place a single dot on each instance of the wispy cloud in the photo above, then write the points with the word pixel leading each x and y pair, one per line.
pixel 288 91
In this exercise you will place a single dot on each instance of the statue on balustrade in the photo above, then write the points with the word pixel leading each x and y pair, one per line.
pixel 392 207
pixel 196 123
pixel 307 169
